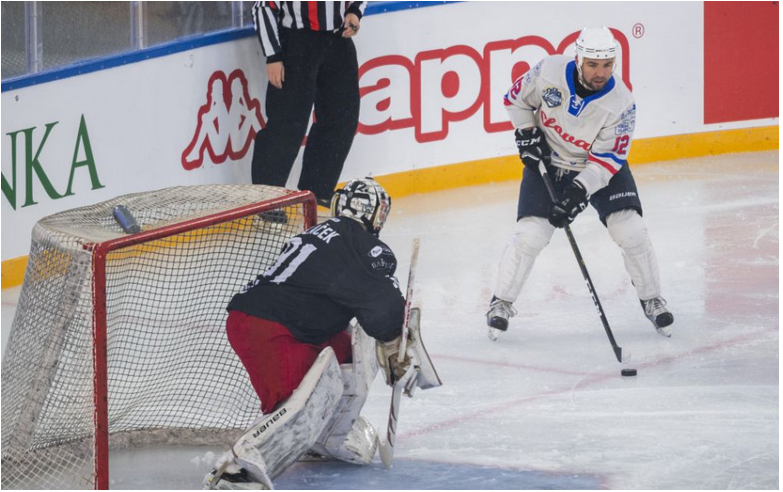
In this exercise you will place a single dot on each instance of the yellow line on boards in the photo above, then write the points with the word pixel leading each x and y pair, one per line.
pixel 505 168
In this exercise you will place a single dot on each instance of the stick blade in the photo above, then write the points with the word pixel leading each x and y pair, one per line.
pixel 387 455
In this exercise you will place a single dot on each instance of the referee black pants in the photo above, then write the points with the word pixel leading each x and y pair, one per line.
pixel 321 70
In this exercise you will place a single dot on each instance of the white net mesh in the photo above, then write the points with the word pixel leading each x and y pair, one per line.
pixel 172 376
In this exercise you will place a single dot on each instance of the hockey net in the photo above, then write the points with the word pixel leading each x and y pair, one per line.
pixel 119 340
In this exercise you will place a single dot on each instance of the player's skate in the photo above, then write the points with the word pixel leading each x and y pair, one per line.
pixel 497 317
pixel 656 312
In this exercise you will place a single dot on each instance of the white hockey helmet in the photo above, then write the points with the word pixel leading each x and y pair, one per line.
pixel 595 42
pixel 363 200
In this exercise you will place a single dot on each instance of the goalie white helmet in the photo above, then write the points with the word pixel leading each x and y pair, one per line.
pixel 595 42
pixel 363 200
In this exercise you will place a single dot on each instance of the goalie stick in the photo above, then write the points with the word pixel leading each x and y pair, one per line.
pixel 408 298
pixel 618 351
pixel 386 448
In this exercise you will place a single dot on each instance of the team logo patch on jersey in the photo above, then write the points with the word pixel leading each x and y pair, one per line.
pixel 627 122
pixel 552 97
pixel 533 72
pixel 376 252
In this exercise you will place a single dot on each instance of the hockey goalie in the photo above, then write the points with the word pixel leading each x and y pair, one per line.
pixel 311 373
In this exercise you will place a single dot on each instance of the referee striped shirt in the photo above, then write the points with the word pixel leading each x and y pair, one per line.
pixel 268 17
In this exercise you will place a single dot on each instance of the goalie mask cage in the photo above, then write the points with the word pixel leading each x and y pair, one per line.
pixel 119 340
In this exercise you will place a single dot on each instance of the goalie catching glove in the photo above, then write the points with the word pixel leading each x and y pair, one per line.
pixel 393 370
pixel 416 355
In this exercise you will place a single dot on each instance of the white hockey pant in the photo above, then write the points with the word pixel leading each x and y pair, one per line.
pixel 627 229
pixel 531 235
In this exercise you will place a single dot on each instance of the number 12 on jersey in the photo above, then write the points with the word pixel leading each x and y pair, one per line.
pixel 621 144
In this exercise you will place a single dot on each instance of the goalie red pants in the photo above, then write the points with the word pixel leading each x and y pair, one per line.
pixel 276 361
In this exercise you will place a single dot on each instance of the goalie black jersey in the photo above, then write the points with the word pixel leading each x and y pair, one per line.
pixel 325 277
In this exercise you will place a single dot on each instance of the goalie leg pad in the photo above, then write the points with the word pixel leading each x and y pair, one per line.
pixel 627 229
pixel 531 235
pixel 278 439
pixel 361 443
pixel 358 445
pixel 349 436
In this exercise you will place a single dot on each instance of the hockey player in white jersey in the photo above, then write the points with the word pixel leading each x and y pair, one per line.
pixel 573 115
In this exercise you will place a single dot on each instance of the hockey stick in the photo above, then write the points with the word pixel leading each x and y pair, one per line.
pixel 618 351
pixel 386 448
pixel 408 299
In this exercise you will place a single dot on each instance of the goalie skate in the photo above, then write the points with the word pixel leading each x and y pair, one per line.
pixel 234 479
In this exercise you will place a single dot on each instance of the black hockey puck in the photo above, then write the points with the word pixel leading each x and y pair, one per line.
pixel 628 372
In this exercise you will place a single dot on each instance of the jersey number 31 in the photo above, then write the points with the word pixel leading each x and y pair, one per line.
pixel 298 254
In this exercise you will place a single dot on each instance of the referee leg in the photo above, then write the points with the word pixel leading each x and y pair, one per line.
pixel 288 113
pixel 336 119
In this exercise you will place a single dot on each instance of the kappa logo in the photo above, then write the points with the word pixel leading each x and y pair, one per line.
pixel 227 122
pixel 552 97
